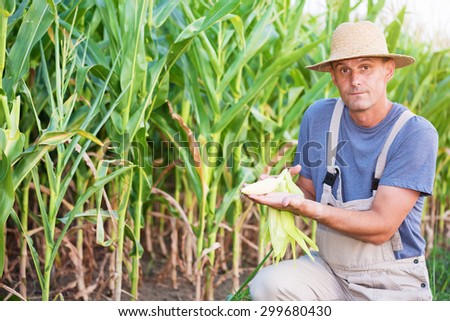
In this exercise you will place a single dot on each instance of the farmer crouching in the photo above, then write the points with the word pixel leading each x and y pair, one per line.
pixel 365 185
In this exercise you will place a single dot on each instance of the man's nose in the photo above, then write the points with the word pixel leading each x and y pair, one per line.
pixel 356 79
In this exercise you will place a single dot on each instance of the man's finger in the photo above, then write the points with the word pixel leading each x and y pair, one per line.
pixel 291 200
pixel 263 176
pixel 295 170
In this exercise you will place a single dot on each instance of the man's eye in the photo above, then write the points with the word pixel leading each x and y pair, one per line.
pixel 344 70
pixel 365 67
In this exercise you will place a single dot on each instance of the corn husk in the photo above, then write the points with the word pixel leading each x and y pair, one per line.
pixel 280 229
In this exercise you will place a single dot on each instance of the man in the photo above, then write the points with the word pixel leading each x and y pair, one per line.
pixel 366 165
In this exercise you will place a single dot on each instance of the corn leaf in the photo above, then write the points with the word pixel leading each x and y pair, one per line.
pixel 6 203
pixel 35 24
pixel 30 243
pixel 54 138
pixel 269 74
pixel 162 12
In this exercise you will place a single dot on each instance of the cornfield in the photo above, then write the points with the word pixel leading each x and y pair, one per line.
pixel 129 127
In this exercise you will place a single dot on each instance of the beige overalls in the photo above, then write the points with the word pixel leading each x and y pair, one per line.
pixel 346 268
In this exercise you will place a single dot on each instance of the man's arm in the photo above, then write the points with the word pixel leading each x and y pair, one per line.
pixel 389 209
pixel 307 187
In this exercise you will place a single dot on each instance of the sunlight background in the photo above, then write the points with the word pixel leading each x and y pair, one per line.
pixel 428 20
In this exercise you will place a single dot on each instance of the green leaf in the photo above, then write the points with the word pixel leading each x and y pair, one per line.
pixel 134 62
pixel 163 11
pixel 109 14
pixel 34 253
pixel 6 203
pixel 81 201
pixel 394 30
pixel 46 224
pixel 100 71
pixel 160 121
pixel 6 187
pixel 89 136
pixel 35 24
pixel 102 170
pixel 240 30
pixel 163 91
pixel 373 10
pixel 59 137
pixel 12 145
pixel 137 249
pixel 220 9
pixel 54 138
pixel 258 37
pixel 217 12
pixel 91 215
pixel 7 7
pixel 242 290
pixel 293 116
pixel 229 197
pixel 28 160
pixel 268 75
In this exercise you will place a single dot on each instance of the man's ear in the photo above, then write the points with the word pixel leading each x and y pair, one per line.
pixel 332 75
pixel 390 69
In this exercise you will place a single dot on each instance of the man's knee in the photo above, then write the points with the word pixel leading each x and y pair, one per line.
pixel 300 280
pixel 264 286
pixel 276 282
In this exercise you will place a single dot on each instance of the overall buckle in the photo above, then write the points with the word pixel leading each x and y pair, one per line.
pixel 375 183
pixel 330 178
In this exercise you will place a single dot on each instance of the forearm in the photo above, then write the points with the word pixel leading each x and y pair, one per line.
pixel 368 226
pixel 307 187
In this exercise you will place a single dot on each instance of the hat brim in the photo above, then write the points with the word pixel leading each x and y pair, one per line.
pixel 400 61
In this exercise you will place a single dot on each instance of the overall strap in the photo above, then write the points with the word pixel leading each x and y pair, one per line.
pixel 381 161
pixel 332 142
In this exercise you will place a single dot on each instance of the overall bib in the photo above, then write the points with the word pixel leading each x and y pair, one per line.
pixel 368 271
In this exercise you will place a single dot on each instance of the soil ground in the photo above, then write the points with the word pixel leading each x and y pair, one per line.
pixel 156 283
pixel 156 286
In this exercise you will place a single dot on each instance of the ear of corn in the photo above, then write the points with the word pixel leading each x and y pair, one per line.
pixel 262 187
pixel 280 227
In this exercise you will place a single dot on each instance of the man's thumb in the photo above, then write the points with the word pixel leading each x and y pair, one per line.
pixel 295 170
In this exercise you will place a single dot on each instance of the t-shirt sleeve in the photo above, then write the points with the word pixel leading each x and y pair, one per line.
pixel 411 161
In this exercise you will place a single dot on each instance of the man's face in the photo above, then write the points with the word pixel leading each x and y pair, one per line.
pixel 362 81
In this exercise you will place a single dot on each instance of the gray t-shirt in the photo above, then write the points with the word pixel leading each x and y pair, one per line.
pixel 410 163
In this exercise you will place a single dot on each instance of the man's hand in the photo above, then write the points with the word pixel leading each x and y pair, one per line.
pixel 280 200
pixel 295 170
pixel 273 199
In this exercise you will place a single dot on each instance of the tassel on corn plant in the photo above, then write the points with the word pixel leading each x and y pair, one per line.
pixel 280 228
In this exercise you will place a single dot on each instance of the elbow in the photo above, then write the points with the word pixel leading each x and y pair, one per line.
pixel 380 238
pixel 377 241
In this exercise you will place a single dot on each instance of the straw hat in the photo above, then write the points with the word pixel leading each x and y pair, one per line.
pixel 357 40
